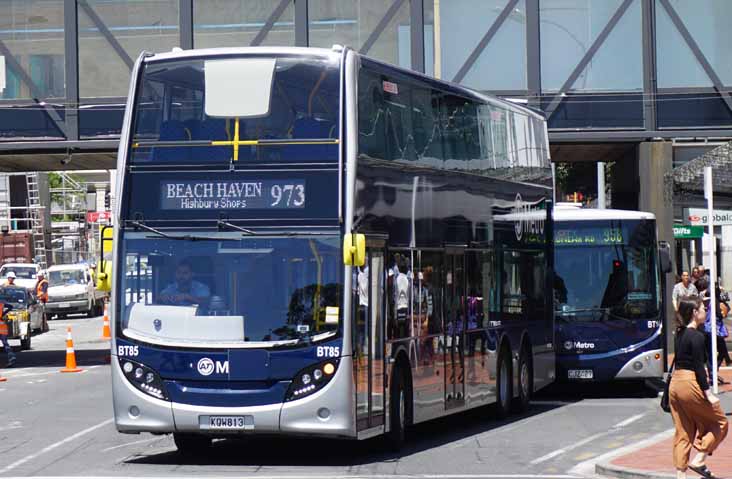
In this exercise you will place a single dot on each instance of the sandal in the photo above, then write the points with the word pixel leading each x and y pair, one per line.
pixel 703 471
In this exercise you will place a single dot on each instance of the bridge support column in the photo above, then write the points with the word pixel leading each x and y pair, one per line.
pixel 655 161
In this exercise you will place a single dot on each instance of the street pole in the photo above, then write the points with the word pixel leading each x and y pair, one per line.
pixel 709 195
pixel 601 185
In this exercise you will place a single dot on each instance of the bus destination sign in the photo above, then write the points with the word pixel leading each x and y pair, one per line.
pixel 588 237
pixel 232 195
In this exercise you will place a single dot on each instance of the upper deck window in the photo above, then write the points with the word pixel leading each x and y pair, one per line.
pixel 299 124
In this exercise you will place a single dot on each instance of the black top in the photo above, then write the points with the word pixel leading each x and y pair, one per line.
pixel 691 354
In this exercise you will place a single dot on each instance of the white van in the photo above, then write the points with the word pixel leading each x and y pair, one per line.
pixel 71 290
pixel 25 274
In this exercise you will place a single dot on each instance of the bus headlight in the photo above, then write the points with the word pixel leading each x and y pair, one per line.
pixel 311 379
pixel 144 378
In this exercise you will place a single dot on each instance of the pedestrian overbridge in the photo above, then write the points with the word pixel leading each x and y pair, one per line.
pixel 58 155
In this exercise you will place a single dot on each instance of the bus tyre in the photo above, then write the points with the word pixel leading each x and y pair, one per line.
pixel 504 384
pixel 525 382
pixel 397 410
pixel 25 344
pixel 191 444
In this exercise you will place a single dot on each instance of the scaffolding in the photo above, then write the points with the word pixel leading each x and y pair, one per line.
pixel 68 225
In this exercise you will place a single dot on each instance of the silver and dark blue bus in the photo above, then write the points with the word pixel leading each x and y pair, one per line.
pixel 608 297
pixel 315 243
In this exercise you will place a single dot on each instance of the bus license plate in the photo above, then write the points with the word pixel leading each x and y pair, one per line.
pixel 229 422
pixel 580 374
pixel 64 305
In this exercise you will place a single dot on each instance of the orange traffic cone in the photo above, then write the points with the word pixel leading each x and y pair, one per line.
pixel 70 355
pixel 106 333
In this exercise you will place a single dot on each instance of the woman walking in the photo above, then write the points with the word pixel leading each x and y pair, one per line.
pixel 697 415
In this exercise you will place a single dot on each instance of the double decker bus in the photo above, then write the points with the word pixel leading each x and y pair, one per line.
pixel 311 242
pixel 609 309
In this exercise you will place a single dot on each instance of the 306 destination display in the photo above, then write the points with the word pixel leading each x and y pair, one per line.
pixel 233 195
pixel 588 236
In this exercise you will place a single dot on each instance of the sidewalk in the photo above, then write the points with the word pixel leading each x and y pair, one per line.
pixel 655 461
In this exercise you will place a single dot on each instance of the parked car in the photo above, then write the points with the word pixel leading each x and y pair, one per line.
pixel 71 290
pixel 25 273
pixel 23 313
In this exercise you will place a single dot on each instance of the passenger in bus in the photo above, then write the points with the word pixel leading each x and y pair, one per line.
pixel 185 291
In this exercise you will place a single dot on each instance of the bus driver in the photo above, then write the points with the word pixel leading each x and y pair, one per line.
pixel 185 291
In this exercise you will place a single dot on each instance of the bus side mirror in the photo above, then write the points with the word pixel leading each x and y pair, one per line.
pixel 354 249
pixel 664 257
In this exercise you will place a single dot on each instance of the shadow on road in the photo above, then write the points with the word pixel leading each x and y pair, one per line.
pixel 616 390
pixel 57 358
pixel 289 451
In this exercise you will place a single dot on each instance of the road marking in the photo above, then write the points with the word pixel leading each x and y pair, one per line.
pixel 628 421
pixel 20 373
pixel 12 425
pixel 587 468
pixel 54 446
pixel 349 476
pixel 586 440
pixel 131 443
pixel 585 403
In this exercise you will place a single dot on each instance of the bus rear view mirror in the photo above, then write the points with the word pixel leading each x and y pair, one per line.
pixel 238 87
pixel 664 257
pixel 354 249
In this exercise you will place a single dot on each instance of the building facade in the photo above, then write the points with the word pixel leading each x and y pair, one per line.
pixel 642 85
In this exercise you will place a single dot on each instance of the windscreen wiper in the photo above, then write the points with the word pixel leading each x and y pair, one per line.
pixel 223 225
pixel 187 237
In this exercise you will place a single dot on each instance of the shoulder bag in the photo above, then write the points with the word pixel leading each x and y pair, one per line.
pixel 665 404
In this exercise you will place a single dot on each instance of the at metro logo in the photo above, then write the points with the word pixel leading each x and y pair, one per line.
pixel 583 345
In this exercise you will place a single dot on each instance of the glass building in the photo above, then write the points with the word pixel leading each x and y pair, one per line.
pixel 635 83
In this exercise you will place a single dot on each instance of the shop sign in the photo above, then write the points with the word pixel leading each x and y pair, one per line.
pixel 699 216
pixel 688 232
pixel 98 216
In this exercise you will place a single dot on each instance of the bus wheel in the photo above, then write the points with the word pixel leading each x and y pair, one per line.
pixel 25 344
pixel 193 444
pixel 504 385
pixel 525 382
pixel 397 411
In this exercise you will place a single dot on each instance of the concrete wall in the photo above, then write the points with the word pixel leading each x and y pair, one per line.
pixel 655 161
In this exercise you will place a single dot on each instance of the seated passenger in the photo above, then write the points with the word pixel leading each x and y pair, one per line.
pixel 185 291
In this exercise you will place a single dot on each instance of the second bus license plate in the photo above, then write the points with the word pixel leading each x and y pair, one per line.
pixel 580 374
pixel 228 422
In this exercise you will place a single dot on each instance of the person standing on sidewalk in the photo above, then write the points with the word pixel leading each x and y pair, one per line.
pixel 698 417
pixel 683 288
pixel 721 330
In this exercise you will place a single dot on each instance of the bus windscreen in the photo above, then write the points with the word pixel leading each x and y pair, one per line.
pixel 225 289
pixel 605 269
pixel 175 122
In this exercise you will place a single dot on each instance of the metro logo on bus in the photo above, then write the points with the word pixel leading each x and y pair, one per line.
pixel 206 367
pixel 526 224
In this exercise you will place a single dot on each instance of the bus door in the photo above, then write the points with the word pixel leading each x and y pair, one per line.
pixel 368 336
pixel 454 328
